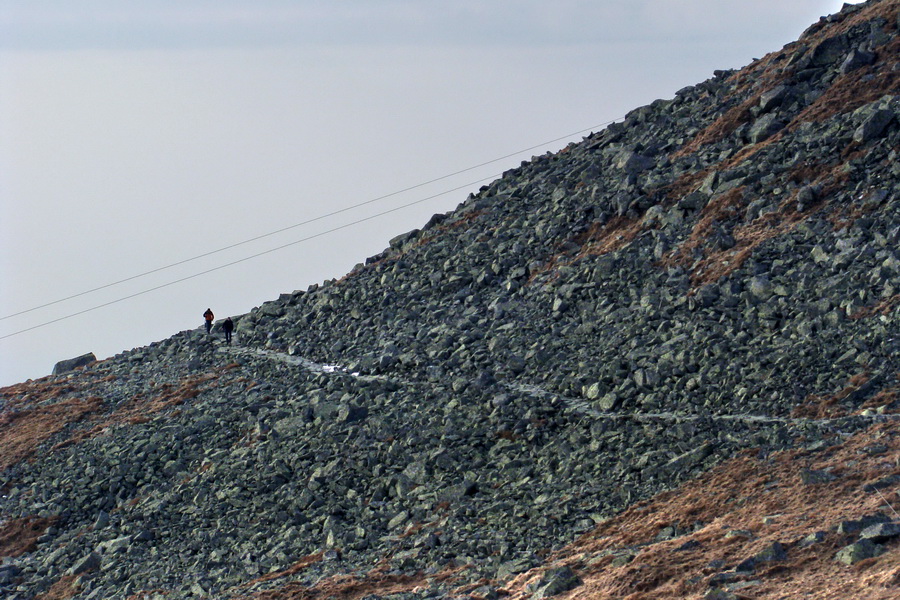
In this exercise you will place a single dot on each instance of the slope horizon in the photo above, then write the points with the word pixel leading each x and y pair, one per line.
pixel 133 324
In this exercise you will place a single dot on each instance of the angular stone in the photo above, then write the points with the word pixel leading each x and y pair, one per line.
pixel 398 520
pixel 765 127
pixel 632 162
pixel 608 402
pixel 883 483
pixel 8 574
pixel 71 364
pixel 514 567
pixel 402 239
pixel 861 550
pixel 880 532
pixel 812 539
pixel 828 51
pixel 114 545
pixel 592 392
pixel 772 98
pixel 812 477
pixel 856 59
pixel 556 581
pixel 774 552
pixel 90 562
pixel 873 126
pixel 760 287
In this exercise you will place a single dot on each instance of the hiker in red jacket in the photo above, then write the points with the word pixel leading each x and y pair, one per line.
pixel 209 316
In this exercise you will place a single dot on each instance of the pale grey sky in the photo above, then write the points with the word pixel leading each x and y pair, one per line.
pixel 134 135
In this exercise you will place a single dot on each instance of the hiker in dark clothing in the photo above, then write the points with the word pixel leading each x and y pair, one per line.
pixel 228 327
pixel 209 316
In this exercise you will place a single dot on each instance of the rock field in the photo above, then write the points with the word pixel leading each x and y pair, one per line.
pixel 502 403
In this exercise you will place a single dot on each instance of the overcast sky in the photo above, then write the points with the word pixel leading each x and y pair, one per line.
pixel 137 135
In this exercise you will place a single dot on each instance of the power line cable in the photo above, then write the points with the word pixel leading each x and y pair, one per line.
pixel 246 258
pixel 300 224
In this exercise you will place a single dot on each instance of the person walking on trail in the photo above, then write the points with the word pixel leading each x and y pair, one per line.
pixel 228 327
pixel 209 316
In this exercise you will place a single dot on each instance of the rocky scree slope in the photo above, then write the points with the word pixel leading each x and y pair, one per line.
pixel 716 273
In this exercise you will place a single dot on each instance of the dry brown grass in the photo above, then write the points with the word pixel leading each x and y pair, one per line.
pixel 826 407
pixel 23 431
pixel 300 565
pixel 721 263
pixel 598 240
pixel 142 410
pixel 737 496
pixel 847 93
pixel 63 589
pixel 721 127
pixel 19 536
pixel 884 307
pixel 344 587
pixel 720 209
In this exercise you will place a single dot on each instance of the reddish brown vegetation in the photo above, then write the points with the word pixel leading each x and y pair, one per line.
pixel 63 589
pixel 721 127
pixel 718 263
pixel 884 307
pixel 738 495
pixel 598 240
pixel 764 496
pixel 848 92
pixel 344 587
pixel 300 565
pixel 141 410
pixel 615 234
pixel 19 536
pixel 721 263
pixel 22 431
pixel 826 407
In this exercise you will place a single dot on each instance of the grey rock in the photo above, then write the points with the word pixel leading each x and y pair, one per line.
pixel 874 126
pixel 403 239
pixel 685 319
pixel 633 163
pixel 812 539
pixel 774 552
pixel 858 551
pixel 8 574
pixel 880 532
pixel 829 51
pixel 514 567
pixel 812 477
pixel 760 287
pixel 64 366
pixel 883 483
pixel 765 127
pixel 90 562
pixel 857 59
pixel 554 582
pixel 693 201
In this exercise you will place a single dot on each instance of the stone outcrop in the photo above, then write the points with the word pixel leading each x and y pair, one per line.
pixel 71 364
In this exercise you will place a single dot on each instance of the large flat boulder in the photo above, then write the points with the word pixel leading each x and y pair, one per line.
pixel 71 364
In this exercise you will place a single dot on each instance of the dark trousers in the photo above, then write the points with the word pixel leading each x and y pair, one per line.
pixel 208 326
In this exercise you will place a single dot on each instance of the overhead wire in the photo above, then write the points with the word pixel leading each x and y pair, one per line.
pixel 296 225
pixel 246 258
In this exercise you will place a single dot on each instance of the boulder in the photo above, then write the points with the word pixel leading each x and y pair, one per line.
pixel 554 582
pixel 71 364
